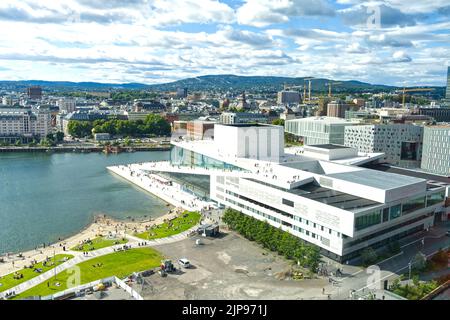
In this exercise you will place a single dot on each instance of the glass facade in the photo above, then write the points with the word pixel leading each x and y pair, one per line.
pixel 368 220
pixel 435 198
pixel 413 205
pixel 395 212
pixel 182 157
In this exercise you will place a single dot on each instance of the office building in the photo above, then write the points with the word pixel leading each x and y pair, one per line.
pixel 319 130
pixel 436 150
pixel 199 130
pixel 288 97
pixel 34 93
pixel 337 109
pixel 182 93
pixel 66 105
pixel 401 143
pixel 447 92
pixel 322 196
pixel 242 117
pixel 439 114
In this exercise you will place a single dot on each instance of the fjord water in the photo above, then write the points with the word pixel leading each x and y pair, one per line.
pixel 47 196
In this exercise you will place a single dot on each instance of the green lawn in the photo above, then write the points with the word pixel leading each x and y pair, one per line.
pixel 181 223
pixel 120 264
pixel 8 281
pixel 98 243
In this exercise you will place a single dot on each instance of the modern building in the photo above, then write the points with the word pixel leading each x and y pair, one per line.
pixel 321 196
pixel 182 93
pixel 447 92
pixel 198 129
pixel 242 117
pixel 24 124
pixel 439 114
pixel 288 97
pixel 337 109
pixel 319 130
pixel 401 143
pixel 34 93
pixel 436 150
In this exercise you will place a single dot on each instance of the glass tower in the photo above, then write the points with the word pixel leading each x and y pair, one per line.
pixel 447 93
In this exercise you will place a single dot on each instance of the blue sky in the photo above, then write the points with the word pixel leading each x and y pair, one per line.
pixel 399 42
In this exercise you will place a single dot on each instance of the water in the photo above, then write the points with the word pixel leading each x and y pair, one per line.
pixel 47 196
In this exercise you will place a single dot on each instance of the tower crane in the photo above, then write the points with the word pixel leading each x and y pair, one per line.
pixel 413 90
pixel 309 87
pixel 329 85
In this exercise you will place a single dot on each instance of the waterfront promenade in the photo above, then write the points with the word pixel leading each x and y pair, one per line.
pixel 168 191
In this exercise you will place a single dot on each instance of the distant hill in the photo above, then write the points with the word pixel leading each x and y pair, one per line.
pixel 221 83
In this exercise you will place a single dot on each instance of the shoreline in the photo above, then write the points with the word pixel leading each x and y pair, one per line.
pixel 101 224
pixel 78 149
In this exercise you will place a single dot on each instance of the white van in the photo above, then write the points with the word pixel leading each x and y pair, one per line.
pixel 184 263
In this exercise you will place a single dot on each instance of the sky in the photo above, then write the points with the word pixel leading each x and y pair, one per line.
pixel 395 42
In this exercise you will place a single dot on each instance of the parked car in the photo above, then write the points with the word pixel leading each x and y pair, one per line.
pixel 184 263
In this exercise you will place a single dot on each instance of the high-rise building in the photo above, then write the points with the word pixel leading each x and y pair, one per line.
pixel 288 97
pixel 401 143
pixel 34 93
pixel 447 93
pixel 436 146
pixel 182 92
pixel 337 109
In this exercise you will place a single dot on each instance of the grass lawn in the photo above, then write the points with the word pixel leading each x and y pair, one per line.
pixel 120 264
pixel 98 243
pixel 181 223
pixel 8 280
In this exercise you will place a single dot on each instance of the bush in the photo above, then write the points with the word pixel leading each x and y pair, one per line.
pixel 368 256
pixel 273 238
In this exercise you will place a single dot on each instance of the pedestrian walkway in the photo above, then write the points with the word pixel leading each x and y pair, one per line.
pixel 92 254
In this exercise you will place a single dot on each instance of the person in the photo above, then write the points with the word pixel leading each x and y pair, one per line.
pixel 323 290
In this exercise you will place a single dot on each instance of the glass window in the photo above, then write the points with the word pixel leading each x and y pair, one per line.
pixel 385 214
pixel 288 202
pixel 395 212
pixel 368 220
pixel 413 205
pixel 435 198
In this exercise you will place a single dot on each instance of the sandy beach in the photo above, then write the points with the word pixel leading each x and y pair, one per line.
pixel 102 225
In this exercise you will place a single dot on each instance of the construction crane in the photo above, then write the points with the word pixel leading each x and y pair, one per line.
pixel 413 90
pixel 309 87
pixel 329 85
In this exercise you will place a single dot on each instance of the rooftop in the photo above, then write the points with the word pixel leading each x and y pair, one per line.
pixel 329 146
pixel 326 120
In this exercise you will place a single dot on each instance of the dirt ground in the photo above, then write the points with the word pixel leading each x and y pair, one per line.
pixel 228 267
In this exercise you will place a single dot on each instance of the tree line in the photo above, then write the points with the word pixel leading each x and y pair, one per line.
pixel 153 124
pixel 274 239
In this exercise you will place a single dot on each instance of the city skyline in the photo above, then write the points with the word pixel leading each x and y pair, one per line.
pixel 152 42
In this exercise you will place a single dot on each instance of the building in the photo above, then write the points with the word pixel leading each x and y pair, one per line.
pixel 436 150
pixel 439 114
pixel 337 109
pixel 447 92
pixel 67 105
pixel 322 196
pixel 24 124
pixel 141 115
pixel 319 130
pixel 182 93
pixel 401 143
pixel 199 130
pixel 288 97
pixel 242 117
pixel 34 93
pixel 180 126
pixel 242 102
